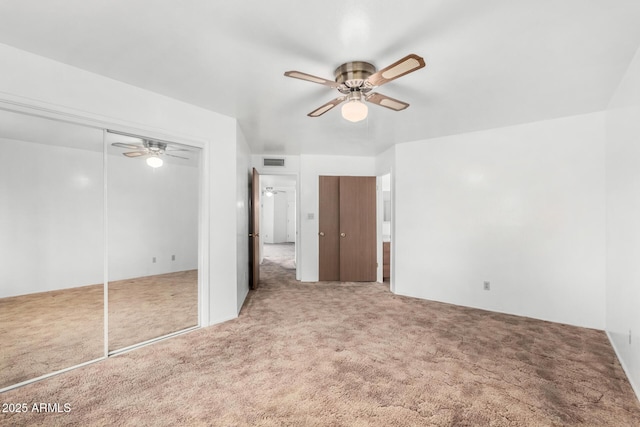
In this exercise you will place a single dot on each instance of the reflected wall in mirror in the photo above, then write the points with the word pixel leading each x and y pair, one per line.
pixel 152 211
pixel 387 205
pixel 51 246
pixel 385 182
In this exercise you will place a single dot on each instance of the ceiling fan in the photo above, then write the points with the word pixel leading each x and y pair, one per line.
pixel 269 191
pixel 356 80
pixel 152 150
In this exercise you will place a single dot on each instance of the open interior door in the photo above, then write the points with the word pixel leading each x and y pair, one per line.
pixel 254 232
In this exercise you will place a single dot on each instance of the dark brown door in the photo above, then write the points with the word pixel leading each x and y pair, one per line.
pixel 254 233
pixel 347 228
pixel 358 229
pixel 328 227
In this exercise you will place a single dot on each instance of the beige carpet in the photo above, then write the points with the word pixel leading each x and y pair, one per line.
pixel 45 332
pixel 282 254
pixel 148 307
pixel 350 354
pixel 48 331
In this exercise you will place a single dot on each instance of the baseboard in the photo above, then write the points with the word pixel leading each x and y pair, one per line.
pixel 242 300
pixel 221 320
pixel 635 387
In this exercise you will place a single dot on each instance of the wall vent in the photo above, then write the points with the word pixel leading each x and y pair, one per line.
pixel 273 162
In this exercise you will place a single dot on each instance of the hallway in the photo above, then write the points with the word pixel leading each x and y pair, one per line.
pixel 282 254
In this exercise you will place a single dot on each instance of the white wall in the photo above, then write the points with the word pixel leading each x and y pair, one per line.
pixel 291 216
pixel 34 83
pixel 386 161
pixel 266 218
pixel 311 168
pixel 291 165
pixel 280 217
pixel 277 214
pixel 51 216
pixel 243 194
pixel 521 207
pixel 152 213
pixel 273 227
pixel 274 213
pixel 623 222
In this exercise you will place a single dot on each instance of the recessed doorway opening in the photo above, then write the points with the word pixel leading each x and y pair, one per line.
pixel 384 225
pixel 278 220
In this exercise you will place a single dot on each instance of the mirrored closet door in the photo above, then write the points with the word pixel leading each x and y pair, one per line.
pixel 51 246
pixel 98 243
pixel 152 214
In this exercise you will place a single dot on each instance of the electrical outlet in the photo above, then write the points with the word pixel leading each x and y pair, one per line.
pixel 153 260
pixel 173 257
pixel 487 286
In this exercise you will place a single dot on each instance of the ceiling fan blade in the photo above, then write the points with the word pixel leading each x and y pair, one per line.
pixel 406 65
pixel 136 153
pixel 385 101
pixel 127 146
pixel 173 155
pixel 313 79
pixel 326 107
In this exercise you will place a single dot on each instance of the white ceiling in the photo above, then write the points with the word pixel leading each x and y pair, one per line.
pixel 490 63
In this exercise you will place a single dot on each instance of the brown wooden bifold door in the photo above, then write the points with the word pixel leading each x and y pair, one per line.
pixel 358 228
pixel 347 228
pixel 329 228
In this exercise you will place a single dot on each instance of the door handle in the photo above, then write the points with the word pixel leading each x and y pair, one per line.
pixel 343 234
pixel 321 234
pixel 250 234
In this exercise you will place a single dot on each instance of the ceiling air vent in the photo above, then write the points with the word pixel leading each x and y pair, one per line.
pixel 273 162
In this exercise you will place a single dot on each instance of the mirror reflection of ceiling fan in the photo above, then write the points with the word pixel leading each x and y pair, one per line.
pixel 152 150
pixel 269 191
pixel 356 80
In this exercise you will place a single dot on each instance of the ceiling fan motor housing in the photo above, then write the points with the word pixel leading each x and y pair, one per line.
pixel 155 146
pixel 353 76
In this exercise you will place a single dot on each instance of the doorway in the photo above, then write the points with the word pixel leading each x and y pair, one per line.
pixel 278 221
pixel 384 225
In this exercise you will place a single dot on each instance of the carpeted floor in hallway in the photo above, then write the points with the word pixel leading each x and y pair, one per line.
pixel 282 254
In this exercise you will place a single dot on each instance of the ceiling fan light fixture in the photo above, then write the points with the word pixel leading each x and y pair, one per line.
pixel 154 161
pixel 356 80
pixel 355 110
